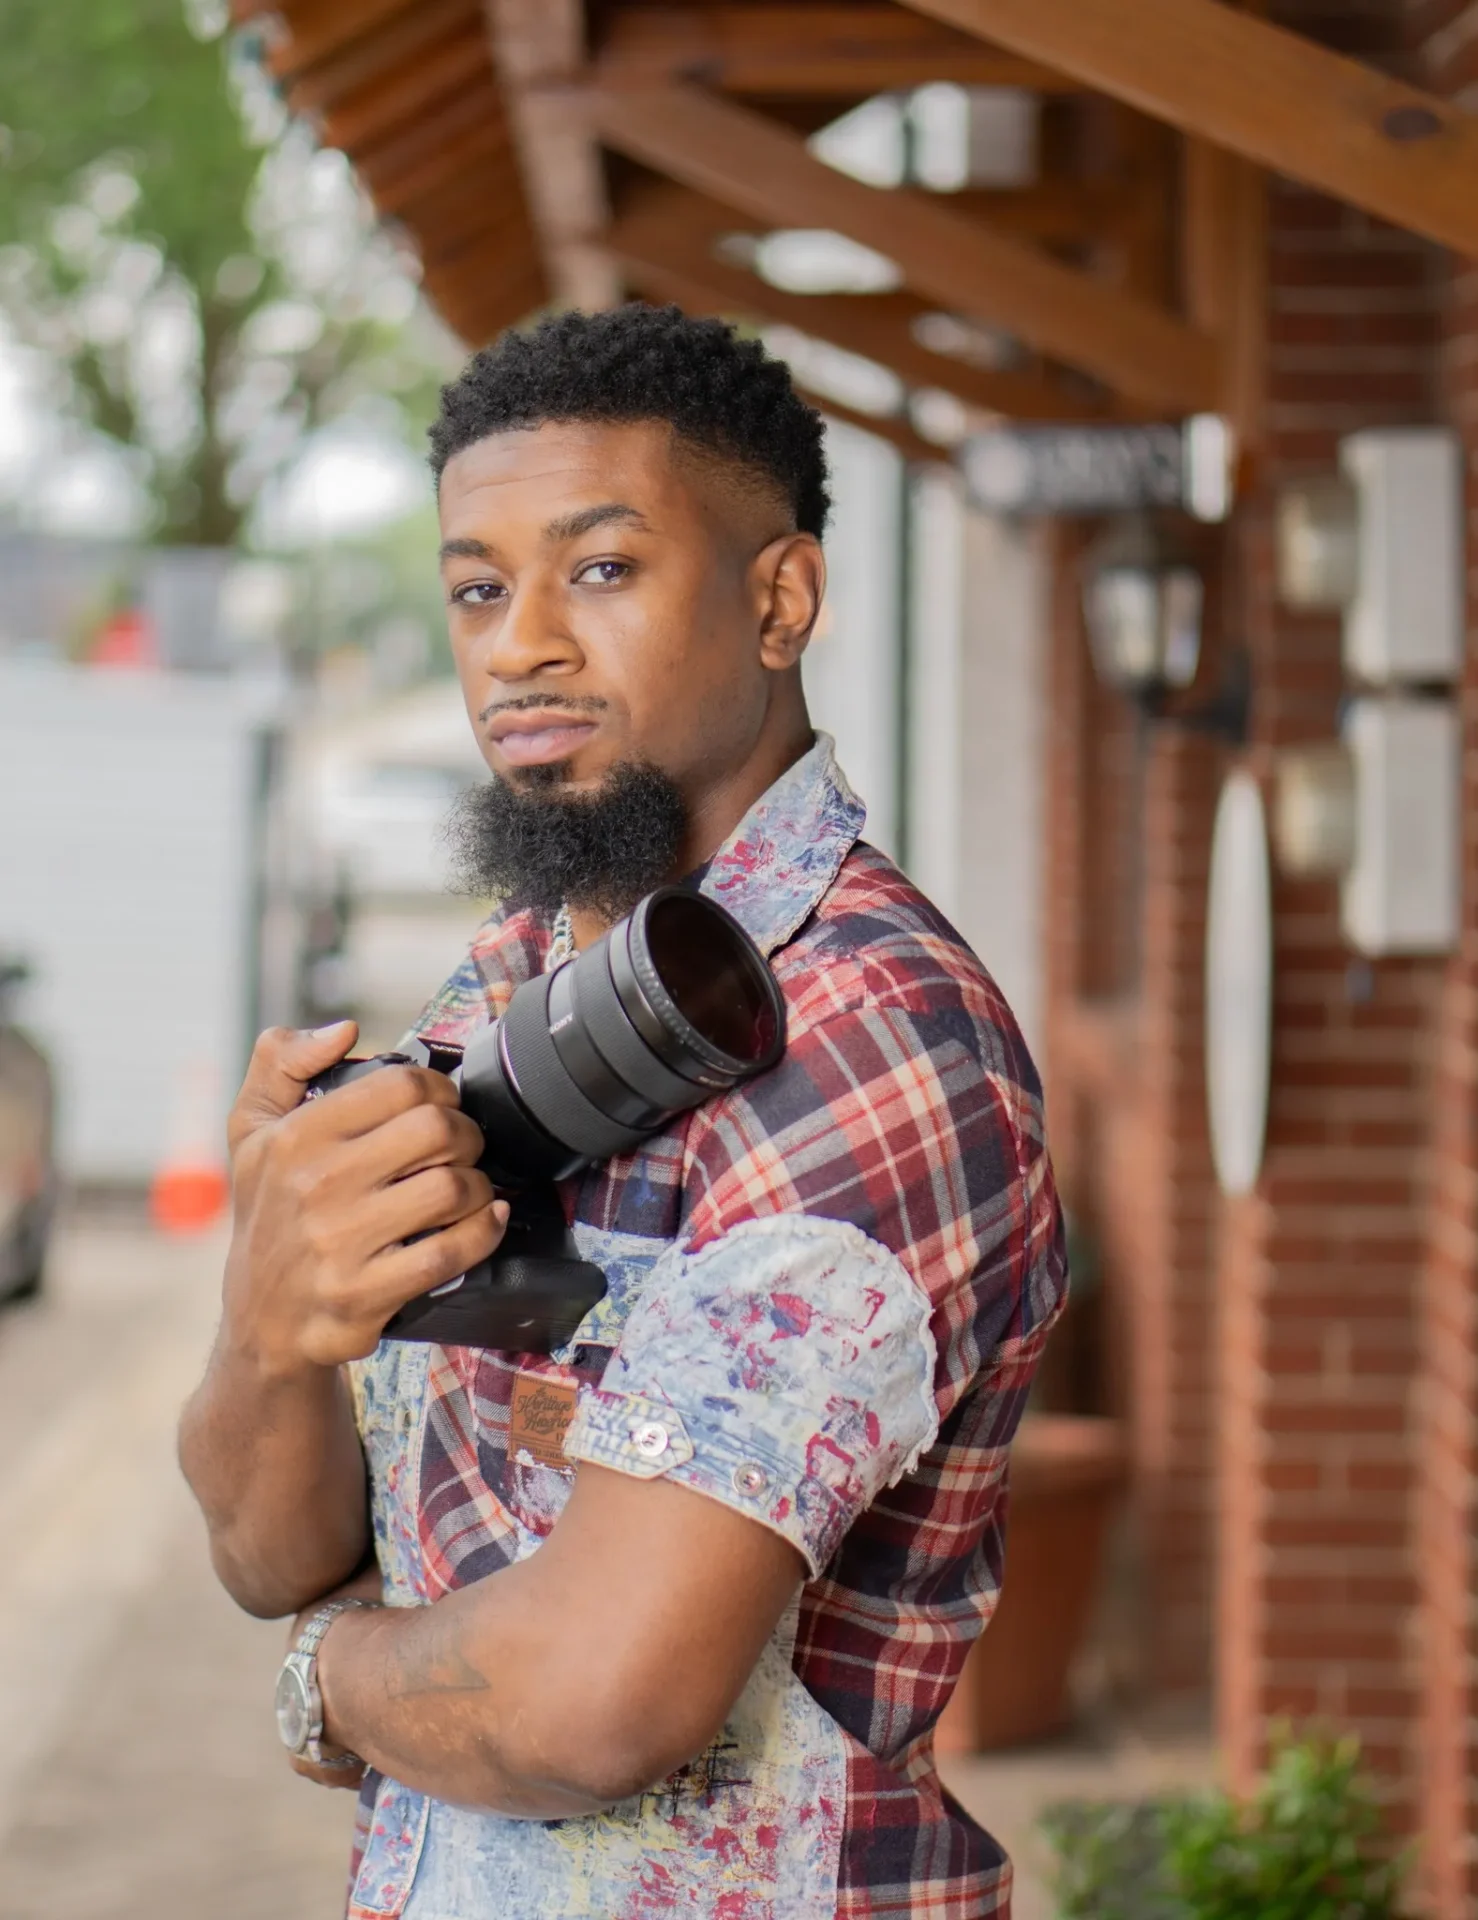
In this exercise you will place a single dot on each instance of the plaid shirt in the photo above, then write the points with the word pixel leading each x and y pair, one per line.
pixel 828 1292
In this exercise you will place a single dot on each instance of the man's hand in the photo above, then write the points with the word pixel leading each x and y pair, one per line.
pixel 347 1207
pixel 329 1200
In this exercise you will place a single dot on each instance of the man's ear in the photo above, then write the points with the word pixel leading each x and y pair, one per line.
pixel 791 576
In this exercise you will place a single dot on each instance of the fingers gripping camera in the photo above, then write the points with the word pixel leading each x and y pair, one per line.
pixel 674 1006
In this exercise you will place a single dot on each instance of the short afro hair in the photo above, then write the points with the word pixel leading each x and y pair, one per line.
pixel 721 393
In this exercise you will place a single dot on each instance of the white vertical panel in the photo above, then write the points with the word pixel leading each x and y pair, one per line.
pixel 852 666
pixel 936 724
pixel 1003 708
pixel 978 644
pixel 126 838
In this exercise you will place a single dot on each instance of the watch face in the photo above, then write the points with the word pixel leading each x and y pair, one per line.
pixel 294 1713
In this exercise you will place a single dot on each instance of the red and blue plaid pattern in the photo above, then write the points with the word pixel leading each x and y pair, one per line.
pixel 907 1110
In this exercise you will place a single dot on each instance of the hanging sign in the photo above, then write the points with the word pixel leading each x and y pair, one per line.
pixel 1075 469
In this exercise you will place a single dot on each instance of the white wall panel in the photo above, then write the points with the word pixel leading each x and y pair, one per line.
pixel 978 645
pixel 852 666
pixel 126 843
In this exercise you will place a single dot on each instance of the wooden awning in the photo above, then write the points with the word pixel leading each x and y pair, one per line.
pixel 582 150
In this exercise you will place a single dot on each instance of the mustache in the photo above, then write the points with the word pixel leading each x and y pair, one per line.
pixel 544 703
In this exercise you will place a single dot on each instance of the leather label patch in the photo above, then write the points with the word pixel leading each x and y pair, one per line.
pixel 539 1417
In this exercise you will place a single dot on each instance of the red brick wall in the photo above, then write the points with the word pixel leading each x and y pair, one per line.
pixel 1274 1414
pixel 1127 820
pixel 1449 1396
pixel 1320 1271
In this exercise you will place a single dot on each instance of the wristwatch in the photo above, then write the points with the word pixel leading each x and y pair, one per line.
pixel 298 1702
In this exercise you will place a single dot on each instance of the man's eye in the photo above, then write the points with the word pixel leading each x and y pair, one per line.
pixel 604 573
pixel 477 593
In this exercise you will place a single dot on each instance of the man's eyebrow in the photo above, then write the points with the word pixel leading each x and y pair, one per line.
pixel 572 525
pixel 465 549
pixel 569 526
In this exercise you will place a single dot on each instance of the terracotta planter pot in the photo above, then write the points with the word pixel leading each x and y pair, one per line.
pixel 1066 1476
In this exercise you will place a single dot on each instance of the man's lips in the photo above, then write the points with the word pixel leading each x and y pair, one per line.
pixel 535 739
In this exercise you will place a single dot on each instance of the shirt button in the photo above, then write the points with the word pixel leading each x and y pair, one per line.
pixel 750 1478
pixel 650 1440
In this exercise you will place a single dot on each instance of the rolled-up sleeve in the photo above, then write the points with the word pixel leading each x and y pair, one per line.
pixel 785 1369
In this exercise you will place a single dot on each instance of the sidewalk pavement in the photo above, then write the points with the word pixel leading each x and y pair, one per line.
pixel 140 1775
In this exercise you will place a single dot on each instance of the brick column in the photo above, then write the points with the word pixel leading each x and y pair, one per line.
pixel 1129 814
pixel 1448 1563
pixel 1320 1268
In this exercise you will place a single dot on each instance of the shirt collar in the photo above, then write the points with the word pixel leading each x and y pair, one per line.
pixel 771 873
pixel 774 869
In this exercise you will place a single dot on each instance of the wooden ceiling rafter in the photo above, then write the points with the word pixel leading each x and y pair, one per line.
pixel 822 50
pixel 458 156
pixel 320 31
pixel 360 62
pixel 734 154
pixel 407 88
pixel 1052 212
pixel 441 222
pixel 534 42
pixel 1259 91
pixel 473 116
pixel 670 232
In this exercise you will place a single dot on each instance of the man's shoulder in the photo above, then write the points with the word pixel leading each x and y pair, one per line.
pixel 876 943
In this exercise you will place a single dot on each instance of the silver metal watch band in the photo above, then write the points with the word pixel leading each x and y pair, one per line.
pixel 311 1638
pixel 309 1641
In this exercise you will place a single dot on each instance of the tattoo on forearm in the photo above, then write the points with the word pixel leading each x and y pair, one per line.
pixel 432 1661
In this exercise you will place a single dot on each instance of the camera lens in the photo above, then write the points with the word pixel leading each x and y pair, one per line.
pixel 719 986
pixel 674 1005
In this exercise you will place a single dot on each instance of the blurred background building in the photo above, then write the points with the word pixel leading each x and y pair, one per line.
pixel 1149 351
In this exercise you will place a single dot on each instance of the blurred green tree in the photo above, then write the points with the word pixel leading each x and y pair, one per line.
pixel 193 280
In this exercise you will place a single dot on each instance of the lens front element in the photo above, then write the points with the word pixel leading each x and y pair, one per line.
pixel 716 982
pixel 675 1005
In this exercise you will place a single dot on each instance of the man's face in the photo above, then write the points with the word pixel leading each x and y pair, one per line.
pixel 607 598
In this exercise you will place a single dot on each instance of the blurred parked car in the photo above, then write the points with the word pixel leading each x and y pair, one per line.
pixel 27 1147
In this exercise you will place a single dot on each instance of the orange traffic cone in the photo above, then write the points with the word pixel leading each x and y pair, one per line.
pixel 191 1188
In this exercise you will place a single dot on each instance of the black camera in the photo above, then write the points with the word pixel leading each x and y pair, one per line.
pixel 674 1006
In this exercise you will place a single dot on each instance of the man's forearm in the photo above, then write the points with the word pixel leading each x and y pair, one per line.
pixel 278 1470
pixel 471 1700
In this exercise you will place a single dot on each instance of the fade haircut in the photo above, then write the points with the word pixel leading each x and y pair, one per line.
pixel 722 395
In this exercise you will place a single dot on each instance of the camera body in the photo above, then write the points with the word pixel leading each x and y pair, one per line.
pixel 673 1006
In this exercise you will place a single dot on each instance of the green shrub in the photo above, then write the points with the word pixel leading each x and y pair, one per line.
pixel 1307 1846
pixel 1110 1861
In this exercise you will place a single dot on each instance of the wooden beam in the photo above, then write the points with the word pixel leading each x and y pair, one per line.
pixel 475 113
pixel 665 244
pixel 314 85
pixel 478 306
pixel 740 157
pixel 1056 212
pixel 327 30
pixel 535 41
pixel 808 51
pixel 408 87
pixel 1267 94
pixel 464 153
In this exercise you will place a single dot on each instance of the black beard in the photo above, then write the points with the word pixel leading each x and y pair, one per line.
pixel 535 846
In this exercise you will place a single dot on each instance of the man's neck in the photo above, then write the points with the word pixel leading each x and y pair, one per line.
pixel 714 818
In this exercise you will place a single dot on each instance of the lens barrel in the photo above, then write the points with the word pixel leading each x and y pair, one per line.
pixel 674 1006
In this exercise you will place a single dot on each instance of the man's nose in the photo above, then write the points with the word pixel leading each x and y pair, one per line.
pixel 533 636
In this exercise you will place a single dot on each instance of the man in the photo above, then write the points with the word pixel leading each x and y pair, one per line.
pixel 690 1661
